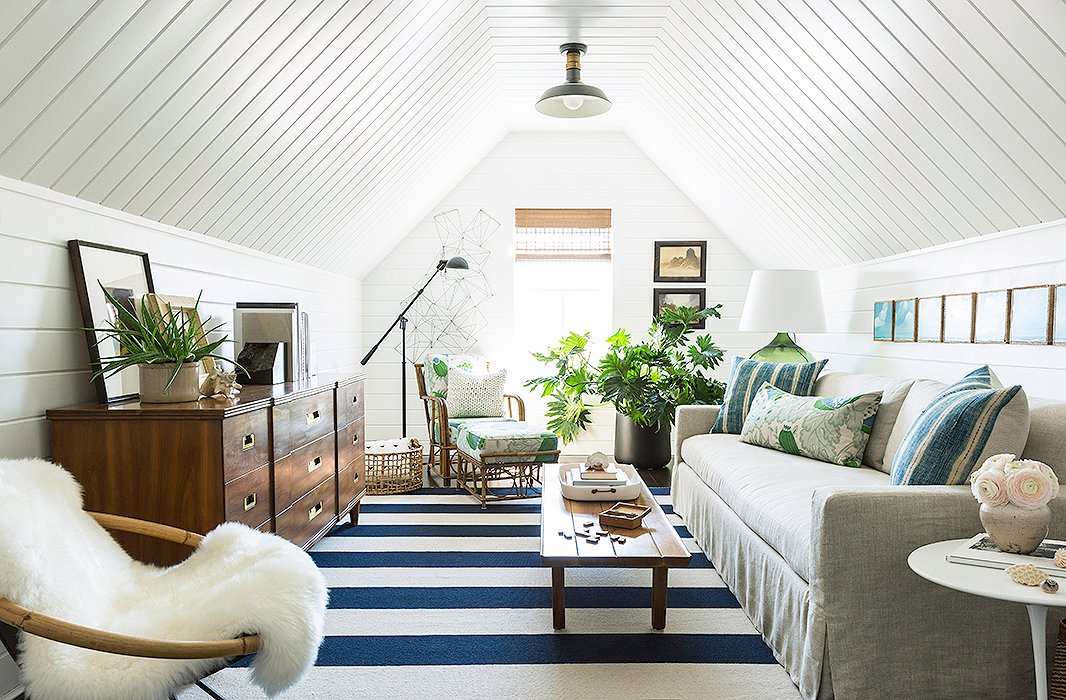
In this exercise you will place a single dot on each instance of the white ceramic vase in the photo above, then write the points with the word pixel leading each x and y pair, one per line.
pixel 1014 529
pixel 153 378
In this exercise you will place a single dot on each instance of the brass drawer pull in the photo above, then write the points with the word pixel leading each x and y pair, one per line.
pixel 313 417
pixel 355 398
pixel 249 502
pixel 355 475
pixel 314 511
pixel 314 464
pixel 248 442
pixel 355 439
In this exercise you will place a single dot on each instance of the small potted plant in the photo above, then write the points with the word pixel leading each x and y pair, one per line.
pixel 1014 494
pixel 165 345
pixel 645 382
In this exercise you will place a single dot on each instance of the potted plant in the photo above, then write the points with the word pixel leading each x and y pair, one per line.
pixel 645 382
pixel 165 345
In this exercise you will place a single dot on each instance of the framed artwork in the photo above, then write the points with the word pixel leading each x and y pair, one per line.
pixel 680 261
pixel 905 321
pixel 930 319
pixel 990 317
pixel 679 297
pixel 1030 316
pixel 958 318
pixel 1058 315
pixel 883 320
pixel 127 276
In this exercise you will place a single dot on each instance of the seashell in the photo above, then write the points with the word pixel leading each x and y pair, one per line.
pixel 1050 585
pixel 1060 558
pixel 597 461
pixel 1026 574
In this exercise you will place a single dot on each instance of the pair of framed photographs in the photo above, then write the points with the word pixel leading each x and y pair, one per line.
pixel 680 262
pixel 1022 316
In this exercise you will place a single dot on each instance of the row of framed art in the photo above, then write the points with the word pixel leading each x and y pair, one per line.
pixel 1022 316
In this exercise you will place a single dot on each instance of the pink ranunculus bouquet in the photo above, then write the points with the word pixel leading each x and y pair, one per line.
pixel 1004 479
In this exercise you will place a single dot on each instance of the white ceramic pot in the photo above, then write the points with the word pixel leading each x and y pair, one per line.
pixel 185 387
pixel 1014 529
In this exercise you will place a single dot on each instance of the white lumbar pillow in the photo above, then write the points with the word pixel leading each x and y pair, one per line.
pixel 476 395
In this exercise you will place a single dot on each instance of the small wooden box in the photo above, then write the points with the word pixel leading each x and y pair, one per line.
pixel 624 515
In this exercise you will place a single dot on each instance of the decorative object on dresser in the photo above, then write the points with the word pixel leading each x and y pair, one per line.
pixel 280 323
pixel 681 261
pixel 126 275
pixel 74 594
pixel 286 458
pixel 783 302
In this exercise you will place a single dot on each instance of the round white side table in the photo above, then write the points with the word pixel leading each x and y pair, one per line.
pixel 930 562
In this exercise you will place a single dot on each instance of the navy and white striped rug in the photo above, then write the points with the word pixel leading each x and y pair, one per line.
pixel 430 596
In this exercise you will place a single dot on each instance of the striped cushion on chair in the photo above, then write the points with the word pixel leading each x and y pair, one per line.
pixel 962 427
pixel 747 376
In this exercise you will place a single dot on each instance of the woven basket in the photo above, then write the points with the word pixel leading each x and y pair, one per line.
pixel 393 467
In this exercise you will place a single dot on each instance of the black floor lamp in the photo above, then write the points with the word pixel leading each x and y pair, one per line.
pixel 455 263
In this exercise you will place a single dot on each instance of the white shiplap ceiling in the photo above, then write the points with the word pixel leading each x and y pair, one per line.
pixel 814 132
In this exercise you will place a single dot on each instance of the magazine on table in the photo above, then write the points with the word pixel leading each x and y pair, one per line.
pixel 980 550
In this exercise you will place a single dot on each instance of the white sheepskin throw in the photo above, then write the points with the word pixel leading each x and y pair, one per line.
pixel 57 560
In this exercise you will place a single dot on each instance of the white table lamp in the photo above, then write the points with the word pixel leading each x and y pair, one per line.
pixel 783 302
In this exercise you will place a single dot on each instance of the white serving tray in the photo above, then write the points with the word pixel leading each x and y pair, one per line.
pixel 599 493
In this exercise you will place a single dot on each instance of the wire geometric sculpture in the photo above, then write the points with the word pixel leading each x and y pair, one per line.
pixel 447 317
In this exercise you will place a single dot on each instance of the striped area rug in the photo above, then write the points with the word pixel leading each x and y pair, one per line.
pixel 432 597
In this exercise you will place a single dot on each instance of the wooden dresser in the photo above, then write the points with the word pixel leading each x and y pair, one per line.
pixel 286 458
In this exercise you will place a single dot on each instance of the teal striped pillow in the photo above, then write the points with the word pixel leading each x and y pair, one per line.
pixel 747 376
pixel 964 425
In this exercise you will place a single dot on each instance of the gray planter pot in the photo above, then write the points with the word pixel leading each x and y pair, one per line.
pixel 186 386
pixel 644 448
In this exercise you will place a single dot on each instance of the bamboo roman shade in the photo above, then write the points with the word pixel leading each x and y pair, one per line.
pixel 562 234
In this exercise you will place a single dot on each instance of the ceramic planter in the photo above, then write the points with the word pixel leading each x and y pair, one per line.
pixel 644 448
pixel 1016 530
pixel 185 387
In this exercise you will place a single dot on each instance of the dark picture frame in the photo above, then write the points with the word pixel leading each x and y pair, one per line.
pixel 660 299
pixel 90 262
pixel 673 254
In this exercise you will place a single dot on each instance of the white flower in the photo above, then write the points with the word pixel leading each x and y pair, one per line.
pixel 998 462
pixel 1028 487
pixel 989 488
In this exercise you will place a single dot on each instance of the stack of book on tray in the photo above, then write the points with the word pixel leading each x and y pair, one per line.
pixel 980 550
pixel 612 476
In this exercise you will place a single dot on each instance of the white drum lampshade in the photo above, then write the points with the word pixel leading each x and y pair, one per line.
pixel 783 302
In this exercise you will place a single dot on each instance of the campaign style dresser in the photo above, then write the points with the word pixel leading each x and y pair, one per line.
pixel 286 458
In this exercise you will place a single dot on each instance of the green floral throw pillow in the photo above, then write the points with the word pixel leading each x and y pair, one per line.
pixel 832 429
pixel 436 370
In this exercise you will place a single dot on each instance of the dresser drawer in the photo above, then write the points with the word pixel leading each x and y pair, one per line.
pixel 245 443
pixel 304 469
pixel 299 422
pixel 351 442
pixel 349 403
pixel 248 498
pixel 310 515
pixel 351 482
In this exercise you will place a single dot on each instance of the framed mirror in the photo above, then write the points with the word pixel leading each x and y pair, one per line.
pixel 127 275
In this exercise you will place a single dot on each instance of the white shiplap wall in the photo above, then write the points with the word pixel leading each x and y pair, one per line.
pixel 1028 256
pixel 553 169
pixel 45 361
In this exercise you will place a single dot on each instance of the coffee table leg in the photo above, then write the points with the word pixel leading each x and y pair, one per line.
pixel 658 597
pixel 558 598
pixel 1038 623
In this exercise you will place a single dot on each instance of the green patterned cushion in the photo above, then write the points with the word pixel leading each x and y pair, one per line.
pixel 832 429
pixel 437 366
pixel 492 436
pixel 455 423
pixel 747 376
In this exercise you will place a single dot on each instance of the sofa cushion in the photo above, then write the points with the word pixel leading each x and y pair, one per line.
pixel 454 424
pixel 1047 438
pixel 832 429
pixel 476 395
pixel 920 395
pixel 964 425
pixel 745 378
pixel 893 393
pixel 487 437
pixel 770 491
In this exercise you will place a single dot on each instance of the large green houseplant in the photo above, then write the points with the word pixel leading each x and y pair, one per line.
pixel 645 382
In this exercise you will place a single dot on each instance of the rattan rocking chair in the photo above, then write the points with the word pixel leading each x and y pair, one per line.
pixel 14 617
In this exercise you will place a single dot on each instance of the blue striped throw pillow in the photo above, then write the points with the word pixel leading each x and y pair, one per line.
pixel 961 428
pixel 747 376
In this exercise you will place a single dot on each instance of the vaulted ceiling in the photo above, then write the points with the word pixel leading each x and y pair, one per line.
pixel 814 132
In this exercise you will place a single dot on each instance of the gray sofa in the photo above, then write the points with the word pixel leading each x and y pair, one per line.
pixel 817 556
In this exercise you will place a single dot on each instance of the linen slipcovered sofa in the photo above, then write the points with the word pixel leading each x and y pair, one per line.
pixel 817 555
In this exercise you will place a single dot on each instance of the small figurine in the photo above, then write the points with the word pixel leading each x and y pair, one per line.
pixel 597 462
pixel 1050 585
pixel 220 384
pixel 1060 558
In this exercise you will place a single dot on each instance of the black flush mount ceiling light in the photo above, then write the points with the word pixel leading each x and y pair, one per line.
pixel 573 99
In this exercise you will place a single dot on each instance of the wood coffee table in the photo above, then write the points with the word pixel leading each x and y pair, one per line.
pixel 655 545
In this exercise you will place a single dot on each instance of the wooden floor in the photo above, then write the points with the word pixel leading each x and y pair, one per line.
pixel 655 477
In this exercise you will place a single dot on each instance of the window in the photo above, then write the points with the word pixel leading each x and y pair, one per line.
pixel 563 234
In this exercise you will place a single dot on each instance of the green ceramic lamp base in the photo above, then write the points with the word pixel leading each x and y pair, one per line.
pixel 782 349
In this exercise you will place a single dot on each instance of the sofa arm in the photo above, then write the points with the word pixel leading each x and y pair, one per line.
pixel 887 626
pixel 692 420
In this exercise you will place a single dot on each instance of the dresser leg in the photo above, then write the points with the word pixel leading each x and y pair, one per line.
pixel 353 514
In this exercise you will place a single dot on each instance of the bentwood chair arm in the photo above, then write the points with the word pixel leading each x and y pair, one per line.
pixel 439 413
pixel 521 406
pixel 58 630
